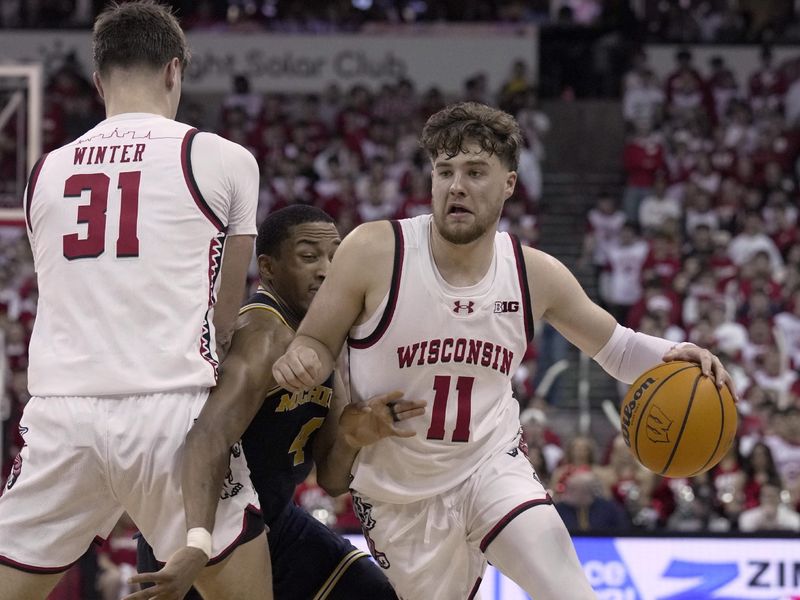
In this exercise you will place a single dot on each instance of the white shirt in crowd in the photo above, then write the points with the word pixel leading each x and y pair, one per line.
pixel 743 247
pixel 624 282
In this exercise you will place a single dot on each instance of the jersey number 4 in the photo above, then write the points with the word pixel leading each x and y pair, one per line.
pixel 441 386
pixel 94 214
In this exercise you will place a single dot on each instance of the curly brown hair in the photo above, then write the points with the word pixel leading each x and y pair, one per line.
pixel 452 128
pixel 143 33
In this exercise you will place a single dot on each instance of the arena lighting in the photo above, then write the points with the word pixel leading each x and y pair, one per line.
pixel 362 4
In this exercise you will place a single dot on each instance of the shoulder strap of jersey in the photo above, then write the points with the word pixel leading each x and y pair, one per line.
pixel 32 179
pixel 522 274
pixel 263 300
pixel 394 289
pixel 191 183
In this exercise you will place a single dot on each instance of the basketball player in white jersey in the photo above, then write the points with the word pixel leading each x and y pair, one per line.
pixel 442 307
pixel 127 226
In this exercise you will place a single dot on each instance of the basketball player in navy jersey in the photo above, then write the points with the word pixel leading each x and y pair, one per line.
pixel 442 306
pixel 286 433
pixel 127 226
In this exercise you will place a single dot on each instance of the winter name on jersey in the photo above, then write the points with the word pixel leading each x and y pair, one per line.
pixel 115 153
pixel 318 395
pixel 457 350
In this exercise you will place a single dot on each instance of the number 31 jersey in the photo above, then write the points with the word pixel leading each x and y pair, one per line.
pixel 127 251
pixel 457 348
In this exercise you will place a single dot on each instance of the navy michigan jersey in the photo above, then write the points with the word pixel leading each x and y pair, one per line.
pixel 309 561
pixel 279 439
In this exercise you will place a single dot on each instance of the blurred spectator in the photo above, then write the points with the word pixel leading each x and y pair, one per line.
pixel 787 324
pixel 784 442
pixel 534 125
pixel 722 86
pixel 604 223
pixel 643 157
pixel 772 514
pixel 628 483
pixel 752 240
pixel 580 456
pixel 626 259
pixel 658 208
pixel 537 435
pixel 117 561
pixel 643 99
pixel 377 193
pixel 583 508
pixel 518 82
pixel 243 97
pixel 760 470
pixel 767 85
pixel 694 506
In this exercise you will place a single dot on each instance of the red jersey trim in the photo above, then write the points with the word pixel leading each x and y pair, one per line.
pixel 32 179
pixel 207 351
pixel 514 512
pixel 394 291
pixel 522 274
pixel 188 175
pixel 252 526
pixel 475 588
pixel 4 560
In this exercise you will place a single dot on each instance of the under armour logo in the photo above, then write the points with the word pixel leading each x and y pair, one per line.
pixel 658 425
pixel 460 307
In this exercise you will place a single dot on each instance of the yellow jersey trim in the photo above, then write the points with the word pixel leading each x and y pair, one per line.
pixel 255 306
pixel 337 573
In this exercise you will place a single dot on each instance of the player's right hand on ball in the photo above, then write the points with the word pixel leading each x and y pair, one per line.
pixel 175 580
pixel 298 369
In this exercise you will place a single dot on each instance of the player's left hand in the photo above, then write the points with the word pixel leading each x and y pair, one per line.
pixel 364 423
pixel 710 365
pixel 175 580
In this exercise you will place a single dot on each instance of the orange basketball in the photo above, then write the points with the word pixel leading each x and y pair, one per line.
pixel 677 422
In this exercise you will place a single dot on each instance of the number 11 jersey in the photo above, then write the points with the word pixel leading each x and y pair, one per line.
pixel 457 348
pixel 127 226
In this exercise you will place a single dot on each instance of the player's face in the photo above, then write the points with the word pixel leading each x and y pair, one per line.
pixel 468 192
pixel 305 257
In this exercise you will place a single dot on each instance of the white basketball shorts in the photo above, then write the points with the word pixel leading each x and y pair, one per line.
pixel 434 548
pixel 86 460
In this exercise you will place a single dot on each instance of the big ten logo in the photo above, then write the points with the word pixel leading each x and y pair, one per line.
pixel 506 306
pixel 318 395
pixel 609 580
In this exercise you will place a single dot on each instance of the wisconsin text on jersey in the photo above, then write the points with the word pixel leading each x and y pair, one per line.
pixel 460 350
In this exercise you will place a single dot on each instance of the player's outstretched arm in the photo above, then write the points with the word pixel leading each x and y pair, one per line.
pixel 360 265
pixel 557 297
pixel 351 426
pixel 245 380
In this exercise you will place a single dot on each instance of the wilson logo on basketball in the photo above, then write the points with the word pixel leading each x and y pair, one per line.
pixel 463 307
pixel 658 425
pixel 630 407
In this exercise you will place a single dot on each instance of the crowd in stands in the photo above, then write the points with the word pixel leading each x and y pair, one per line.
pixel 704 246
pixel 686 21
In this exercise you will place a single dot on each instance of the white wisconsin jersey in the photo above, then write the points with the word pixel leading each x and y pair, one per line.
pixel 456 347
pixel 127 252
